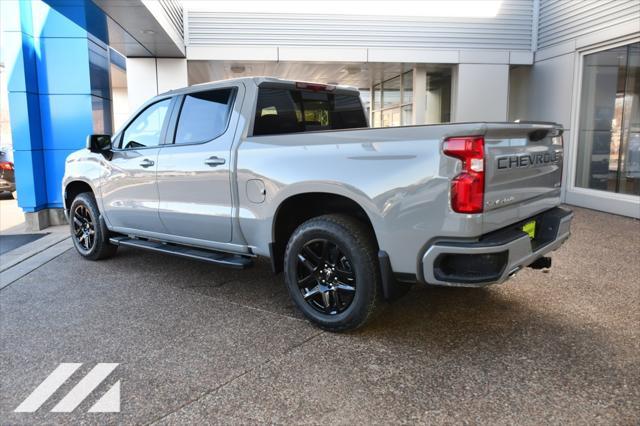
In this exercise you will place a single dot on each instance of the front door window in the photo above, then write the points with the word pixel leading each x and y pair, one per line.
pixel 609 132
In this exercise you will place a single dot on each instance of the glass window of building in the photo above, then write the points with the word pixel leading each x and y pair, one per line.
pixel 609 124
pixel 438 107
pixel 392 103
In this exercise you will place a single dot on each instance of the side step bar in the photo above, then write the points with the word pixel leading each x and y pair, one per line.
pixel 216 257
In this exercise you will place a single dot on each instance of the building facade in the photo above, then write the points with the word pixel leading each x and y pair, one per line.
pixel 572 62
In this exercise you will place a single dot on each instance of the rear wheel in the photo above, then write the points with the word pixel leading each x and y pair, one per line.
pixel 89 234
pixel 331 272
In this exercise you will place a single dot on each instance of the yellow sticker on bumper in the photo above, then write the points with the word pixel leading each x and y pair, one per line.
pixel 530 229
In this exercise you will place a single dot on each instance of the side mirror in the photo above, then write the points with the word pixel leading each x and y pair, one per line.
pixel 99 143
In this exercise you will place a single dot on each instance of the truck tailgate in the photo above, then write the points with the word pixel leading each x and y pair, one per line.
pixel 523 171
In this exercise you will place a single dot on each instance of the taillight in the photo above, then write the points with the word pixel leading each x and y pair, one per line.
pixel 467 188
pixel 6 165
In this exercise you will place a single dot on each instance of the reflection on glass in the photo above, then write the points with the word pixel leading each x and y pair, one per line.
pixel 392 100
pixel 609 130
pixel 407 114
pixel 407 88
pixel 391 117
pixel 438 108
pixel 146 129
pixel 376 120
pixel 377 96
pixel 101 111
pixel 391 92
pixel 203 116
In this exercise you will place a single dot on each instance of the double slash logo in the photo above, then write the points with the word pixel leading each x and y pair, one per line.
pixel 108 403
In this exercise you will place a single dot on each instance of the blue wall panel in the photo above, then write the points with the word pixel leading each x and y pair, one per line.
pixel 66 20
pixel 55 70
pixel 63 66
pixel 19 54
pixel 25 121
pixel 30 182
pixel 63 127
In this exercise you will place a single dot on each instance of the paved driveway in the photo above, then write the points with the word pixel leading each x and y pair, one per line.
pixel 201 344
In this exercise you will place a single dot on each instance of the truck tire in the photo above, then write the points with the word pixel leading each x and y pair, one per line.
pixel 89 234
pixel 332 273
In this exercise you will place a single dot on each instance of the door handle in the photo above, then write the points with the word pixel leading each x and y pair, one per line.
pixel 214 161
pixel 147 163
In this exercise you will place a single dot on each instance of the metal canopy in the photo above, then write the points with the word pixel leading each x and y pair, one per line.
pixel 146 25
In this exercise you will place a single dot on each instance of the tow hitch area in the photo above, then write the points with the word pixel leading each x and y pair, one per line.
pixel 541 263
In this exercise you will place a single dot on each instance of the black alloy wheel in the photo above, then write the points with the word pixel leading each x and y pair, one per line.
pixel 332 273
pixel 326 278
pixel 84 227
pixel 88 231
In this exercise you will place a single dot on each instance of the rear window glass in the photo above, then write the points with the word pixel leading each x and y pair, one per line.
pixel 289 111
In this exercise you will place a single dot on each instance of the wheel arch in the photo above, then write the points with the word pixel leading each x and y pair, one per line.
pixel 300 207
pixel 73 189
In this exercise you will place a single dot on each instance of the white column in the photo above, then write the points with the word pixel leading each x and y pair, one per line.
pixel 482 92
pixel 147 77
pixel 172 74
pixel 142 82
pixel 419 94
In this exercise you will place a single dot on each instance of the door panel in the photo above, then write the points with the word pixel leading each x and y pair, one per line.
pixel 130 192
pixel 195 198
pixel 129 188
pixel 193 173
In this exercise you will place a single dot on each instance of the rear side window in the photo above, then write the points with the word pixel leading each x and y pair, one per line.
pixel 288 111
pixel 203 116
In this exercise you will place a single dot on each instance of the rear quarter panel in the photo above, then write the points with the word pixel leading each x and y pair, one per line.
pixel 397 175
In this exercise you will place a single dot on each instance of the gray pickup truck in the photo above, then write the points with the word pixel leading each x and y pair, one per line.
pixel 228 171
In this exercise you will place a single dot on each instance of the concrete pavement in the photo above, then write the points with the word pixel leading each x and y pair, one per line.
pixel 198 344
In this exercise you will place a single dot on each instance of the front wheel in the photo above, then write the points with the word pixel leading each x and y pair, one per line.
pixel 89 235
pixel 332 273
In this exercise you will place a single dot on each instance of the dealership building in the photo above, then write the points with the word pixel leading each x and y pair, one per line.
pixel 75 67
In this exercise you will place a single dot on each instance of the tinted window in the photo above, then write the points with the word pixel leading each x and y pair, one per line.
pixel 203 116
pixel 146 129
pixel 277 112
pixel 287 111
pixel 347 112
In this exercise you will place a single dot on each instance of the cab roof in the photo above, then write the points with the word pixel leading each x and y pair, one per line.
pixel 258 81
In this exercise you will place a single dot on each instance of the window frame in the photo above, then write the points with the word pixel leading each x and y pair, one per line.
pixel 623 204
pixel 163 131
pixel 170 139
pixel 399 106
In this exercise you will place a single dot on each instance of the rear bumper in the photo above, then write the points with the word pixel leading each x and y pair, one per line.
pixel 494 257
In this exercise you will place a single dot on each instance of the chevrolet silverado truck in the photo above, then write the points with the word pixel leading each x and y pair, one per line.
pixel 227 171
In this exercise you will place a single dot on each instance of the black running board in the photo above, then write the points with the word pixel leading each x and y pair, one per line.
pixel 215 257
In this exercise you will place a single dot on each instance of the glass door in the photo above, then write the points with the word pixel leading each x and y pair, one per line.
pixel 609 129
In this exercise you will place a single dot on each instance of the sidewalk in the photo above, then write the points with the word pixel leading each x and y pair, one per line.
pixel 16 263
